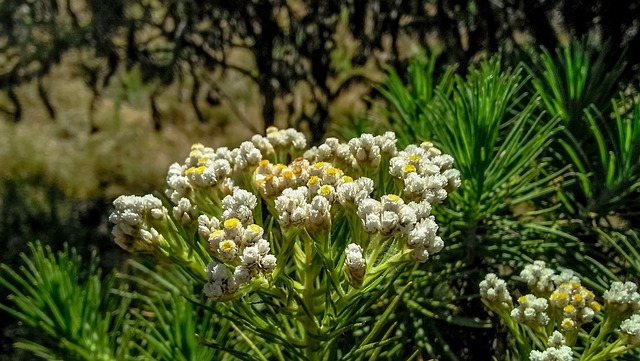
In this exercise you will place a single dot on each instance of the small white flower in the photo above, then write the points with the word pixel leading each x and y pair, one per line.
pixel 250 256
pixel 213 290
pixel 494 290
pixel 631 329
pixel 531 311
pixel 239 205
pixel 538 277
pixel 207 225
pixel 268 263
pixel 227 250
pixel 252 234
pixel 355 264
pixel 556 339
pixel 453 179
pixel 423 233
pixel 563 353
pixel 184 212
pixel 566 276
pixel 242 274
pixel 291 206
pixel 622 296
pixel 201 176
pixel 263 247
pixel 263 144
pixel 420 254
pixel 216 272
pixel 319 212
pixel 354 259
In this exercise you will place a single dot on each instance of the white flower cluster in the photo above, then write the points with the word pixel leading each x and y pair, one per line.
pixel 279 140
pixel 426 173
pixel 237 242
pixel 352 192
pixel 332 151
pixel 246 155
pixel 577 303
pixel 622 297
pixel 562 353
pixel 538 277
pixel 387 216
pixel 239 205
pixel 494 291
pixel 286 139
pixel 556 339
pixel 219 282
pixel 294 208
pixel 238 246
pixel 203 168
pixel 364 151
pixel 184 212
pixel 531 311
pixel 631 329
pixel 272 179
pixel 368 150
pixel 423 239
pixel 355 264
pixel 134 219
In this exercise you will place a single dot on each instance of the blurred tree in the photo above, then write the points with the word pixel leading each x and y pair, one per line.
pixel 291 44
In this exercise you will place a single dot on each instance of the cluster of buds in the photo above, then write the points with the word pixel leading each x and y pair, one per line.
pixel 135 220
pixel 561 301
pixel 576 302
pixel 425 172
pixel 229 195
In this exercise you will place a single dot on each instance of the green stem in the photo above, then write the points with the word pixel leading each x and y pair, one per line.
pixel 310 325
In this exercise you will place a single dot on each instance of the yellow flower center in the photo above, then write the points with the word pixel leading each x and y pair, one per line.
pixel 231 223
pixel 347 179
pixel 596 306
pixel 567 323
pixel 264 163
pixel 569 309
pixel 319 165
pixel 393 197
pixel 287 174
pixel 216 234
pixel 522 299
pixel 414 158
pixel 227 246
pixel 578 297
pixel 255 228
pixel 333 171
pixel 409 168
pixel 313 180
pixel 325 190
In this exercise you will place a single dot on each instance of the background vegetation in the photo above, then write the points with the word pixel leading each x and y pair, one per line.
pixel 98 98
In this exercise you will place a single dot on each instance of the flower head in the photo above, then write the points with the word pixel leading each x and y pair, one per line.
pixel 631 329
pixel 562 353
pixel 622 297
pixel 493 291
pixel 531 311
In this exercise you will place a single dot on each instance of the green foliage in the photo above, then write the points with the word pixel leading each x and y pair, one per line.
pixel 577 85
pixel 609 172
pixel 70 306
pixel 576 77
pixel 411 99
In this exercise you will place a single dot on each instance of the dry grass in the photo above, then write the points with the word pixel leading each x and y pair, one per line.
pixel 125 155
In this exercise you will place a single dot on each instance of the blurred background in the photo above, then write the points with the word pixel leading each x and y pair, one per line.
pixel 97 98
